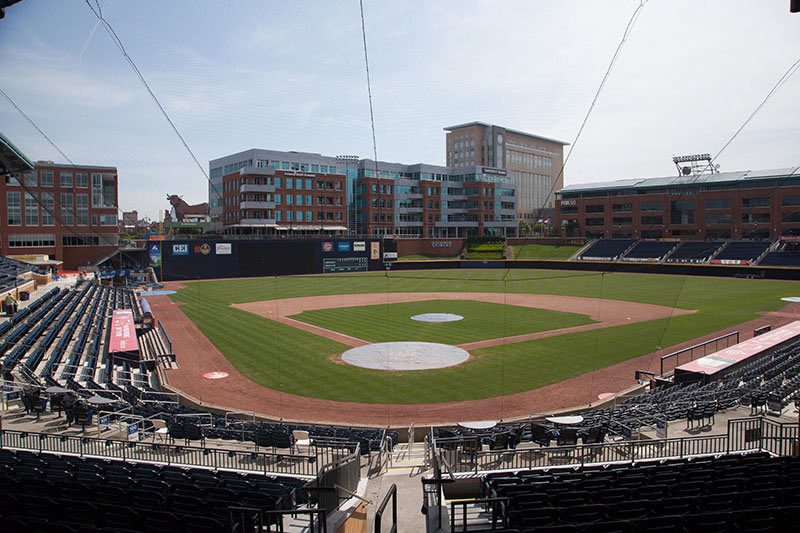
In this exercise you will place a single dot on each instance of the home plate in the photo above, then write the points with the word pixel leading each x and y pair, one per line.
pixel 405 356
pixel 215 375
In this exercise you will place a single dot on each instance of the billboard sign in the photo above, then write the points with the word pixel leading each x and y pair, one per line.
pixel 180 249
pixel 223 248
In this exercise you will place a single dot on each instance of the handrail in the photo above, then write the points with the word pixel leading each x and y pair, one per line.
pixel 171 454
pixel 273 517
pixel 691 348
pixel 390 494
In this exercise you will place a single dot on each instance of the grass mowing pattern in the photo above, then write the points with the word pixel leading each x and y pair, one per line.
pixel 290 360
pixel 544 251
pixel 482 320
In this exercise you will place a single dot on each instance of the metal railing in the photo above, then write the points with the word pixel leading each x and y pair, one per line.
pixel 691 349
pixel 391 495
pixel 495 504
pixel 248 519
pixel 163 453
pixel 337 481
pixel 743 435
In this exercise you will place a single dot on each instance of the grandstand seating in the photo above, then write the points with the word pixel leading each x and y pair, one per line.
pixel 649 250
pixel 743 250
pixel 749 491
pixel 608 249
pixel 694 251
pixel 781 259
pixel 71 493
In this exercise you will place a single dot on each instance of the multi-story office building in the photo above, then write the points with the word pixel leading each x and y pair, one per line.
pixel 534 163
pixel 68 212
pixel 758 204
pixel 267 200
pixel 358 196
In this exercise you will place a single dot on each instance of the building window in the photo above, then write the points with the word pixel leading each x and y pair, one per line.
pixel 82 209
pixel 618 208
pixel 80 240
pixel 29 178
pixel 31 210
pixel 65 179
pixel 595 208
pixel 622 221
pixel 594 221
pixel 31 241
pixel 652 206
pixel 47 178
pixel 719 218
pixel 14 208
pixel 82 180
pixel 681 212
pixel 103 190
pixel 309 216
pixel 718 203
pixel 755 202
pixel 791 200
pixel 755 218
pixel 67 209
pixel 48 209
pixel 652 220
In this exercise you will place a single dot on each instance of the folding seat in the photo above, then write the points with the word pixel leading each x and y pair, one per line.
pixel 759 482
pixel 610 526
pixel 611 496
pixel 185 505
pixel 689 488
pixel 759 520
pixel 718 522
pixel 715 502
pixel 583 514
pixel 674 506
pixel 535 518
pixel 111 494
pixel 145 499
pixel 660 524
pixel 158 521
pixel 570 498
pixel 760 499
pixel 119 516
pixel 630 510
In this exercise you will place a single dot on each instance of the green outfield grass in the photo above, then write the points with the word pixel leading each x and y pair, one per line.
pixel 290 360
pixel 544 251
pixel 482 320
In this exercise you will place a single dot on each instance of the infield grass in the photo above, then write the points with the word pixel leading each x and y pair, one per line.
pixel 482 320
pixel 294 361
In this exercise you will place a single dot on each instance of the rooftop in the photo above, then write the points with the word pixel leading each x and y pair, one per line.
pixel 466 124
pixel 672 181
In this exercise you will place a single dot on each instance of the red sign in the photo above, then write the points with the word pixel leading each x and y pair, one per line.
pixel 123 332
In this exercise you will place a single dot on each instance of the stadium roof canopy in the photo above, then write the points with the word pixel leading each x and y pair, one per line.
pixel 12 161
pixel 719 178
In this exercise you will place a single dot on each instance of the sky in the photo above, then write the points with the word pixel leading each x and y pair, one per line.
pixel 286 75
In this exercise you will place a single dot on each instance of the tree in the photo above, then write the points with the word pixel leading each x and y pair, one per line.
pixel 524 227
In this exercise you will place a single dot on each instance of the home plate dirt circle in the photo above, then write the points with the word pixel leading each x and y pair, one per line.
pixel 405 356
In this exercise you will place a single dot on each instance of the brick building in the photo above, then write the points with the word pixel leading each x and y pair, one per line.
pixel 756 204
pixel 64 211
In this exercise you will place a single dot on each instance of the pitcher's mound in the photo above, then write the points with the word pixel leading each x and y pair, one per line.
pixel 405 356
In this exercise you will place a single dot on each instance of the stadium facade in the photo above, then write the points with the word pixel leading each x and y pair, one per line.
pixel 67 212
pixel 753 204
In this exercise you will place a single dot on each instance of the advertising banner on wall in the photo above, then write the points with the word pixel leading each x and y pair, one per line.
pixel 180 249
pixel 154 253
pixel 374 250
pixel 359 246
pixel 223 248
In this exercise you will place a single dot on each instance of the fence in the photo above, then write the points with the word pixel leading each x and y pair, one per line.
pixel 703 345
pixel 337 481
pixel 170 454
pixel 743 435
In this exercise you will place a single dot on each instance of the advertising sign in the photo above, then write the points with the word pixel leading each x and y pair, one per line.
pixel 133 432
pixel 154 253
pixel 123 332
pixel 374 250
pixel 223 248
pixel 343 246
pixel 180 249
pixel 359 246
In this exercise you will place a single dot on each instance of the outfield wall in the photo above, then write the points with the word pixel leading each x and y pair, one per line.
pixel 214 259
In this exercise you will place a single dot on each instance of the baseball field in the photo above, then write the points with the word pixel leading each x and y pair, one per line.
pixel 524 329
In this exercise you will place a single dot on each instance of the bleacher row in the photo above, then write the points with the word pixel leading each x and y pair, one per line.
pixel 762 253
pixel 773 379
pixel 53 493
pixel 753 492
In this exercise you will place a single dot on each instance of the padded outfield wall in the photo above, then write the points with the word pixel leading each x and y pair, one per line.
pixel 215 259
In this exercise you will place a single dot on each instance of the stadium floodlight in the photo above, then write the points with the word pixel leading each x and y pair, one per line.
pixel 348 158
pixel 689 158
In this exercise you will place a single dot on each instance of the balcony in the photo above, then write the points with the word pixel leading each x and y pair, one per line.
pixel 249 187
pixel 256 222
pixel 251 204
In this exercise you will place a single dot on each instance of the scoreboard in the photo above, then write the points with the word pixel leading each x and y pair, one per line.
pixel 344 264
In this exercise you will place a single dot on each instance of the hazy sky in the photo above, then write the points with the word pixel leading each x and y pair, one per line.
pixel 287 75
